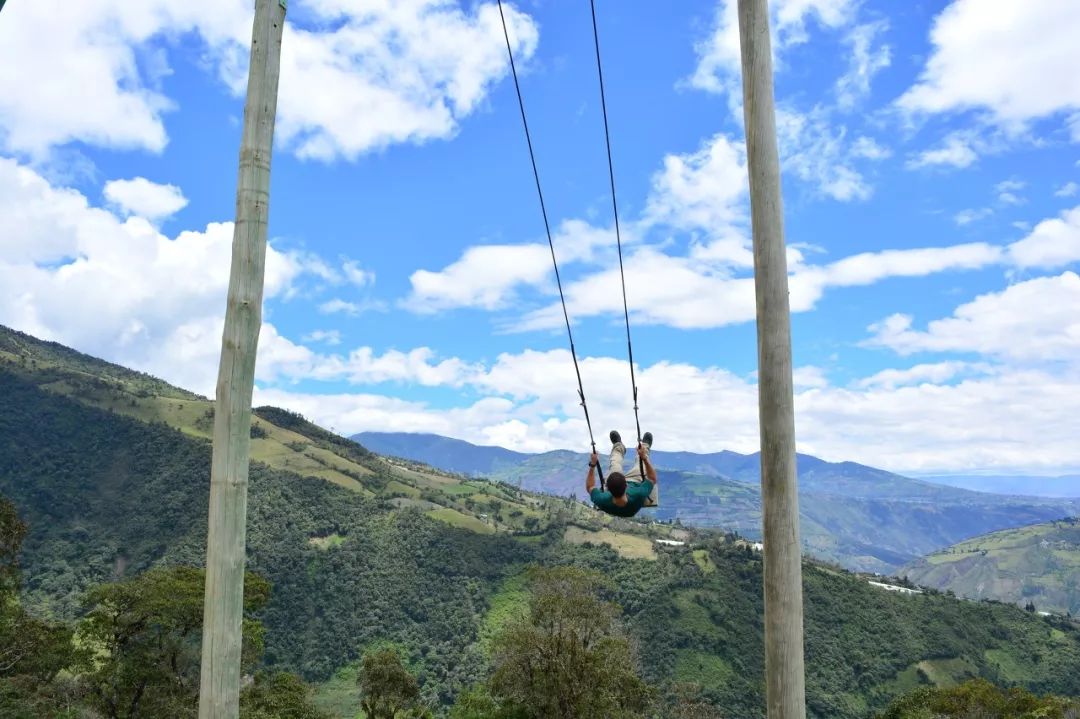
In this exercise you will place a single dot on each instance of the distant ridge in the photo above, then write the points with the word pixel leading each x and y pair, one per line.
pixel 862 517
pixel 446 453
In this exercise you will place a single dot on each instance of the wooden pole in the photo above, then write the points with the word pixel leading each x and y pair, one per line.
pixel 785 683
pixel 219 691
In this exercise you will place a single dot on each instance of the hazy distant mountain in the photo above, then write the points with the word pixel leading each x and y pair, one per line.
pixel 1064 486
pixel 861 517
pixel 450 455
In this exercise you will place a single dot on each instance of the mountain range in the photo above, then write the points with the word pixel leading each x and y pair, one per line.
pixel 110 470
pixel 863 518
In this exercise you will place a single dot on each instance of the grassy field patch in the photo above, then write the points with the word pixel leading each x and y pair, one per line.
pixel 627 545
pixel 707 670
pixel 457 519
pixel 328 542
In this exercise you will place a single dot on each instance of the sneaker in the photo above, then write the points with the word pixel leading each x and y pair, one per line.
pixel 646 439
pixel 615 437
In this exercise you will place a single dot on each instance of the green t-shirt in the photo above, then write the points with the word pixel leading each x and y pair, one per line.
pixel 637 494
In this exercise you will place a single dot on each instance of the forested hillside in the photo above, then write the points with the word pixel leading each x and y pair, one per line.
pixel 360 553
pixel 1037 566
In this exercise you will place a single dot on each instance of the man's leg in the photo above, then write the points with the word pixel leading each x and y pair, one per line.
pixel 618 453
pixel 634 475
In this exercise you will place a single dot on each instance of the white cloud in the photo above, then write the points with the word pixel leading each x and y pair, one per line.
pixel 489 276
pixel 1002 56
pixel 391 72
pixel 1053 243
pixel 870 267
pixel 486 276
pixel 1007 190
pixel 869 149
pixel 367 76
pixel 814 152
pixel 330 337
pixel 934 373
pixel 903 419
pixel 701 190
pixel 1073 124
pixel 339 306
pixel 1069 189
pixel 719 55
pixel 1015 420
pixel 955 151
pixel 1034 320
pixel 108 97
pixel 681 292
pixel 706 191
pixel 60 253
pixel 356 275
pixel 866 61
pixel 966 217
pixel 144 198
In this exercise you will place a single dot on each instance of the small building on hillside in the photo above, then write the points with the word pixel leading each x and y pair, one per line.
pixel 895 588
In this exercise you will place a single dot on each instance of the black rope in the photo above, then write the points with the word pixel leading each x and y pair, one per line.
pixel 551 244
pixel 618 235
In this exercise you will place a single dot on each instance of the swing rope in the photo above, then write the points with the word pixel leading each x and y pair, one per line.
pixel 618 234
pixel 551 243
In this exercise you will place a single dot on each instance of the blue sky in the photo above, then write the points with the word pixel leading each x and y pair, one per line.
pixel 931 158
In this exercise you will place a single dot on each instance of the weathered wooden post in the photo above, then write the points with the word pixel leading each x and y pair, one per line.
pixel 784 671
pixel 219 691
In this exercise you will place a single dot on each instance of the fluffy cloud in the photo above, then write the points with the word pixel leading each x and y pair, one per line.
pixel 330 337
pixel 866 61
pixel 719 59
pixel 1001 56
pixel 681 292
pixel 933 373
pixel 364 76
pixel 966 217
pixel 391 72
pixel 812 150
pixel 949 415
pixel 119 289
pixel 1030 321
pixel 144 198
pixel 868 148
pixel 1053 243
pixel 111 96
pixel 489 276
pixel 1069 189
pixel 702 190
pixel 955 151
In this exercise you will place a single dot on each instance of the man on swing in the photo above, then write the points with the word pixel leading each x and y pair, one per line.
pixel 626 493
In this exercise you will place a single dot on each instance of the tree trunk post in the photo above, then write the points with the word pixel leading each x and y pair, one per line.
pixel 784 670
pixel 219 691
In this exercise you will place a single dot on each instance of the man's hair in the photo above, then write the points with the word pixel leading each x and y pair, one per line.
pixel 616 484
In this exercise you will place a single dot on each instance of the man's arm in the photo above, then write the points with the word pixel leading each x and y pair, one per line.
pixel 650 473
pixel 590 481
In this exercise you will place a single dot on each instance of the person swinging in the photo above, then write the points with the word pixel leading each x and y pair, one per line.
pixel 626 493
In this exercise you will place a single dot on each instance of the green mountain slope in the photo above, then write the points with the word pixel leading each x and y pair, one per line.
pixel 864 519
pixel 378 558
pixel 1038 564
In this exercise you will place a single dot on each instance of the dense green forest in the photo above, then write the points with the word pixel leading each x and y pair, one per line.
pixel 353 567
